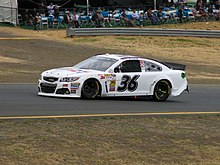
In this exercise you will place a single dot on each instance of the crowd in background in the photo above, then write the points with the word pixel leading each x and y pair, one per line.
pixel 99 17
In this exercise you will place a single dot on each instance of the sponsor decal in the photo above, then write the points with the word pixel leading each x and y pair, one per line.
pixel 51 79
pixel 77 71
pixel 142 64
pixel 101 76
pixel 112 86
pixel 130 58
pixel 65 85
pixel 110 76
pixel 107 76
pixel 74 86
pixel 73 91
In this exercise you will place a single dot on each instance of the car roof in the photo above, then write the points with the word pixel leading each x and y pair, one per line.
pixel 130 57
pixel 124 57
pixel 117 56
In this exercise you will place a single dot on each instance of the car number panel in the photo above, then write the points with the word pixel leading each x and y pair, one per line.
pixel 128 85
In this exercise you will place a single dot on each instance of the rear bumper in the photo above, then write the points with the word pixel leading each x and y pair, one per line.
pixel 187 89
pixel 178 90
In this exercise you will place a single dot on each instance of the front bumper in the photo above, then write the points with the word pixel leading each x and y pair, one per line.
pixel 59 89
pixel 57 95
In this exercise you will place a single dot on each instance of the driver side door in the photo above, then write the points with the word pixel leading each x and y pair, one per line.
pixel 128 80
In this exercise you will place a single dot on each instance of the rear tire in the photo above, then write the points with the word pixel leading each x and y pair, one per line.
pixel 162 90
pixel 90 89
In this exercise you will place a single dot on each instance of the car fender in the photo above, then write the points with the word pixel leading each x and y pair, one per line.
pixel 95 77
pixel 157 79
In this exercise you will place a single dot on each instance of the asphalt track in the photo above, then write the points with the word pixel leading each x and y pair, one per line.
pixel 22 100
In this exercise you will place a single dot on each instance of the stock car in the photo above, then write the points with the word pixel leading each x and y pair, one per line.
pixel 112 75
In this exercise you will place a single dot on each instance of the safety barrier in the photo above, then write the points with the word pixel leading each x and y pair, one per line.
pixel 70 32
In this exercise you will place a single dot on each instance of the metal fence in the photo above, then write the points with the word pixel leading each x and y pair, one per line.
pixel 26 17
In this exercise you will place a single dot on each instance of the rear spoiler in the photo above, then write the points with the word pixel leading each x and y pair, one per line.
pixel 175 66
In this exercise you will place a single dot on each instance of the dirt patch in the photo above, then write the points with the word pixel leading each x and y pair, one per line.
pixel 10 60
pixel 50 48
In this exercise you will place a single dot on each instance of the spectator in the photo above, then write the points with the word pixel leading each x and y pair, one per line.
pixel 180 13
pixel 141 19
pixel 195 12
pixel 154 19
pixel 56 11
pixel 210 11
pixel 135 17
pixel 50 9
pixel 27 17
pixel 203 14
pixel 98 18
pixel 126 19
pixel 75 19
pixel 217 13
pixel 37 20
pixel 67 19
pixel 95 19
pixel 198 5
pixel 217 16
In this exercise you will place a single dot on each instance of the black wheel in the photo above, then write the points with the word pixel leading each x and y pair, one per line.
pixel 90 89
pixel 162 91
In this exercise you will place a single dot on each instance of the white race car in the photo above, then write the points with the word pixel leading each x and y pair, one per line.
pixel 111 75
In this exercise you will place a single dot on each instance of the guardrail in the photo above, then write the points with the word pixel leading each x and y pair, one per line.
pixel 70 32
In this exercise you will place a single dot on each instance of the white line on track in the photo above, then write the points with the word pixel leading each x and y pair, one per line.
pixel 109 115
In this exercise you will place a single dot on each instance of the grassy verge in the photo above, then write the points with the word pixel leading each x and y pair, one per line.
pixel 109 140
pixel 50 49
pixel 112 140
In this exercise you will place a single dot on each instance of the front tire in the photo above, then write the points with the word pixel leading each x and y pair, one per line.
pixel 90 89
pixel 162 90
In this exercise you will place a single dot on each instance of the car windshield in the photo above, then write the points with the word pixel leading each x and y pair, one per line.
pixel 96 63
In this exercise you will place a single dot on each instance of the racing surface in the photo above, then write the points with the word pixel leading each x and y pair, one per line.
pixel 22 100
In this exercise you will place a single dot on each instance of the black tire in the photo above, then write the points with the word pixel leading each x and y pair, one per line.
pixel 162 90
pixel 90 89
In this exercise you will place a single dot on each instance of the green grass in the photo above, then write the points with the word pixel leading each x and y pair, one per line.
pixel 6 24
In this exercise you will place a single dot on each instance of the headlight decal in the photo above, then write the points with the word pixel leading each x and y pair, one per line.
pixel 69 79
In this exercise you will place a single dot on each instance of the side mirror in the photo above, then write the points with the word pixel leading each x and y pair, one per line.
pixel 117 70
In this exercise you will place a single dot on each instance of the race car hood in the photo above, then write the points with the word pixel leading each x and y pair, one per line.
pixel 67 72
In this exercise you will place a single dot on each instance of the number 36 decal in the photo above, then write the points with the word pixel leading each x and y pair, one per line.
pixel 128 82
